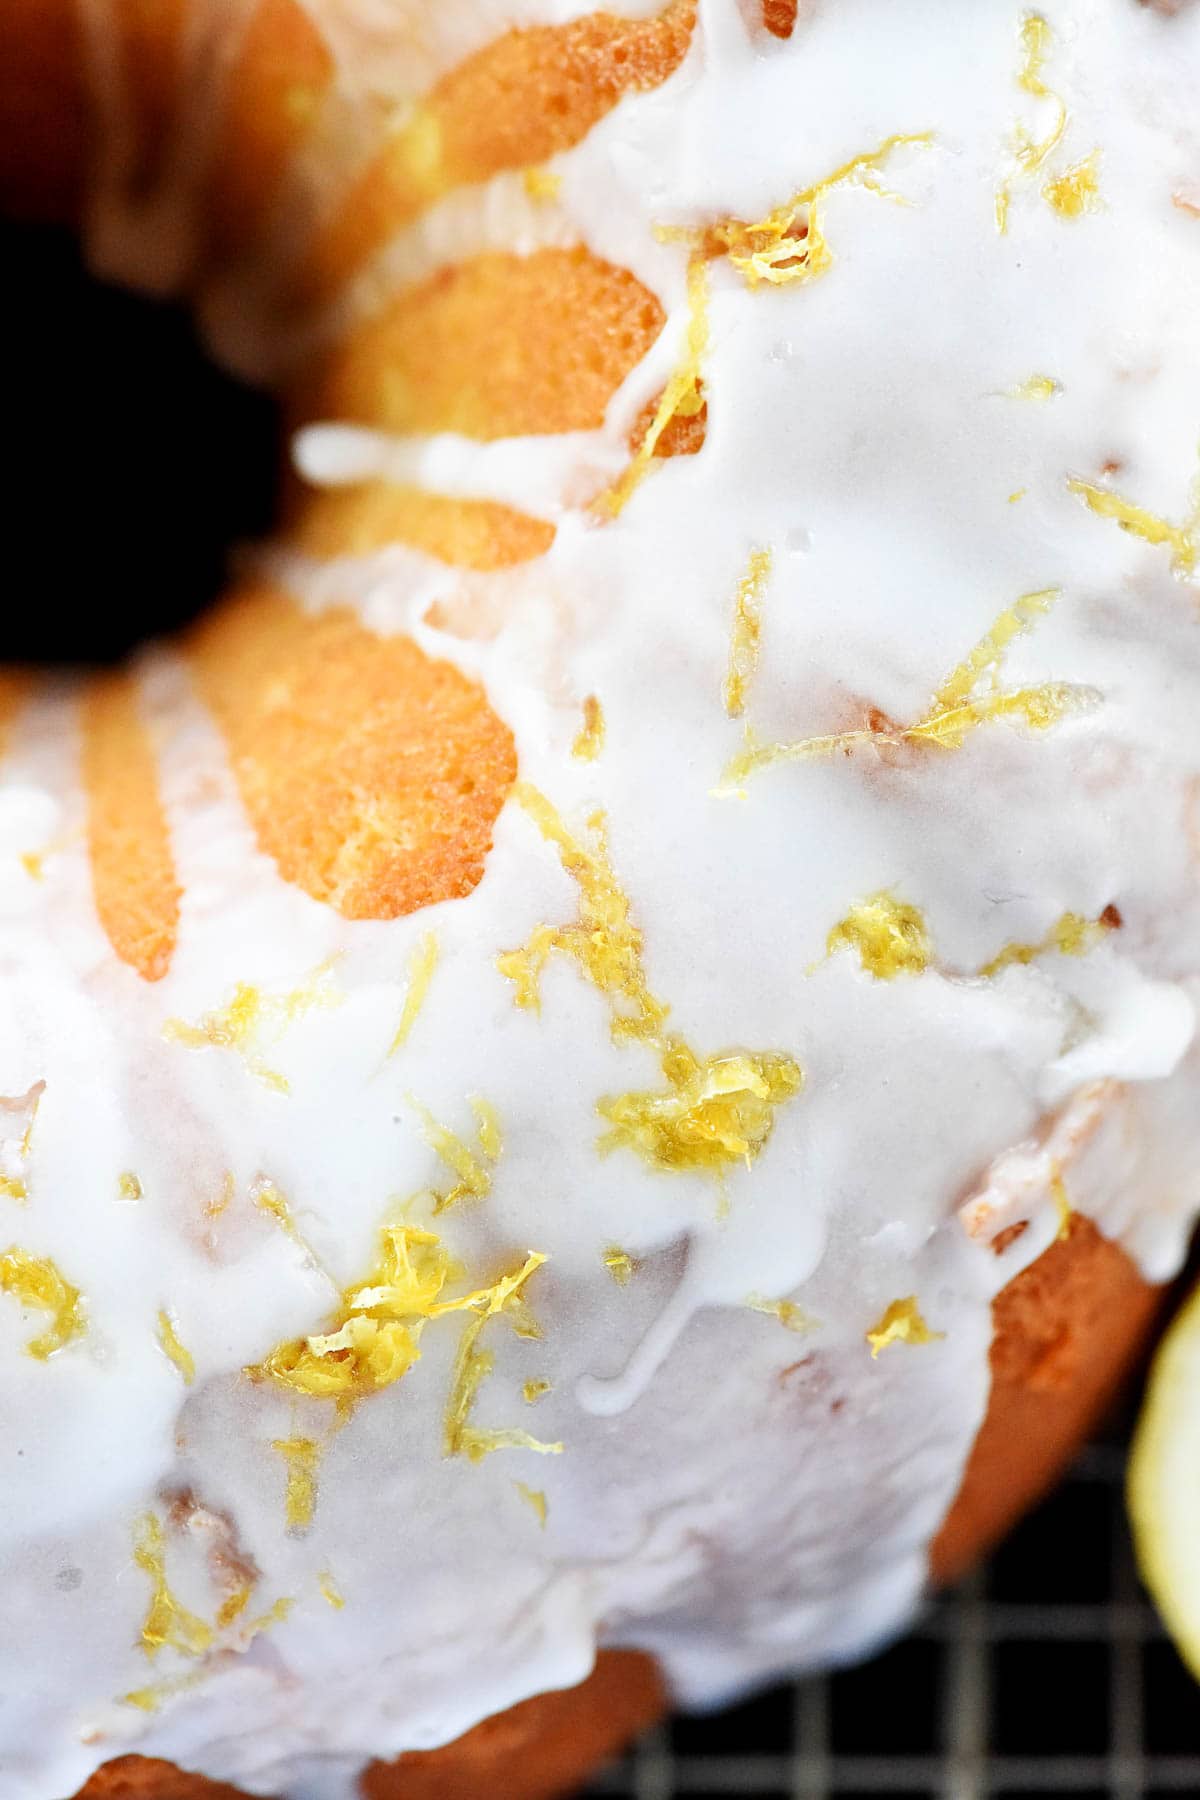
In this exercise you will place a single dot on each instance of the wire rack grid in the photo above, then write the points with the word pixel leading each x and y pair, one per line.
pixel 1046 1674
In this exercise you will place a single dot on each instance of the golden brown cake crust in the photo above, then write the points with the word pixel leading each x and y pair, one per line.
pixel 543 1747
pixel 1068 1329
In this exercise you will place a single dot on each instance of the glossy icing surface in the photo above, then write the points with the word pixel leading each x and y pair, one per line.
pixel 890 939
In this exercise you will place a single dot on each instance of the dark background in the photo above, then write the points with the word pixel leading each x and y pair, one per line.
pixel 134 463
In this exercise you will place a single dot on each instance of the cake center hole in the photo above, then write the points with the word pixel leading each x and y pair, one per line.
pixel 136 463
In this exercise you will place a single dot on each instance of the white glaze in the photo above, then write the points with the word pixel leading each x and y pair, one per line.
pixel 738 1500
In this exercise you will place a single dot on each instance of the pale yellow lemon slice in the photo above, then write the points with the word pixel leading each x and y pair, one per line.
pixel 1164 1483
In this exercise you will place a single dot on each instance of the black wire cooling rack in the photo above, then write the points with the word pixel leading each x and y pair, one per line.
pixel 1046 1674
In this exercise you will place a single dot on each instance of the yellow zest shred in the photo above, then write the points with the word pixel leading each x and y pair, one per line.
pixel 589 741
pixel 330 1592
pixel 250 1014
pixel 234 1605
pixel 1031 153
pixel 682 397
pixel 619 1264
pixel 233 1027
pixel 714 1111
pixel 902 1323
pixel 1076 190
pixel 1038 707
pixel 1017 494
pixel 532 1391
pixel 790 1316
pixel 173 1348
pixel 472 1165
pixel 1038 387
pixel 888 935
pixel 488 1129
pixel 603 940
pixel 988 654
pixel 34 861
pixel 789 244
pixel 374 1338
pixel 472 1366
pixel 421 965
pixel 747 632
pixel 1070 935
pixel 269 1199
pixel 302 1456
pixel 129 1187
pixel 1182 540
pixel 524 967
pixel 149 1699
pixel 13 1183
pixel 35 1281
pixel 1062 1204
pixel 541 184
pixel 535 1498
pixel 317 992
pixel 224 1200
pixel 957 708
pixel 167 1621
pixel 275 1615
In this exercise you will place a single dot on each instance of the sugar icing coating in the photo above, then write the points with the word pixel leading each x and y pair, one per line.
pixel 759 1041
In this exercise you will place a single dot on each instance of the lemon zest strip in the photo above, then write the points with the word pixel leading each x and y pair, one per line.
pixel 36 1282
pixel 173 1347
pixel 1029 152
pixel 240 1024
pixel 1072 934
pixel 167 1621
pixel 301 1457
pixel 535 1498
pixel 714 1111
pixel 589 740
pixel 901 1323
pixel 789 244
pixel 747 633
pixel 790 1316
pixel 956 710
pixel 421 966
pixel 1182 540
pixel 888 935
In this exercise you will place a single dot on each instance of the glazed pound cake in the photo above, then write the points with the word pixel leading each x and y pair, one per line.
pixel 597 1065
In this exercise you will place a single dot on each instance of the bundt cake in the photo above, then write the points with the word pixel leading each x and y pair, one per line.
pixel 597 1064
